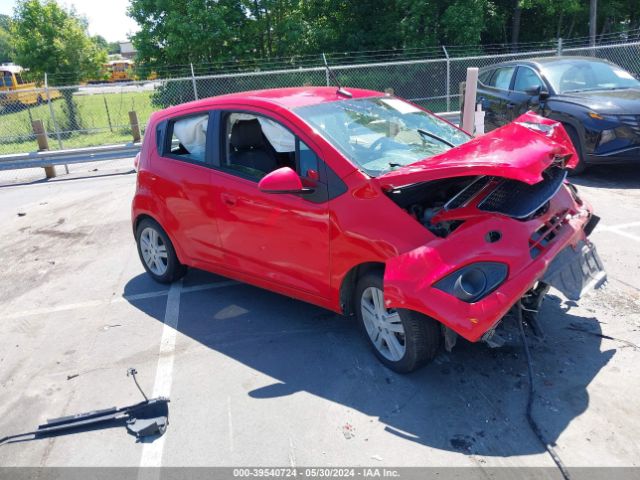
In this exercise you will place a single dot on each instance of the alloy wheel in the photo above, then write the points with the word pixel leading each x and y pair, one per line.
pixel 154 251
pixel 383 326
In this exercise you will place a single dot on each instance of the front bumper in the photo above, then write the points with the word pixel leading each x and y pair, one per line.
pixel 626 155
pixel 409 278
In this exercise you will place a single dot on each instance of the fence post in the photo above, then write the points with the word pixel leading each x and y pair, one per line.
pixel 446 54
pixel 326 72
pixel 43 144
pixel 53 117
pixel 559 46
pixel 193 80
pixel 106 107
pixel 135 127
pixel 471 86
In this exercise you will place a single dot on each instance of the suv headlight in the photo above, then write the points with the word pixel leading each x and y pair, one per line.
pixel 473 282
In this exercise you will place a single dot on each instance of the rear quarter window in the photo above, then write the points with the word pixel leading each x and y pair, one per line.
pixel 186 138
pixel 485 77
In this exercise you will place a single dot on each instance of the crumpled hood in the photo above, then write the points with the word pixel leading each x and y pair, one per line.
pixel 521 151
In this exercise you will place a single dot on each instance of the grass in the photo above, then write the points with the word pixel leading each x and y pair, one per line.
pixel 16 134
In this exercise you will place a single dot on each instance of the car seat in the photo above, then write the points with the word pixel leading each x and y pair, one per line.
pixel 249 147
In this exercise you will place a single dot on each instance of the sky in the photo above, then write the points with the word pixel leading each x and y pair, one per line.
pixel 106 18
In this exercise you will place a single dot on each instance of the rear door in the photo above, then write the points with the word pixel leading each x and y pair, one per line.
pixel 526 78
pixel 494 97
pixel 181 184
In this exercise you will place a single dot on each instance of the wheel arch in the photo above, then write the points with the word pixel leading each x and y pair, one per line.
pixel 176 246
pixel 349 282
pixel 569 120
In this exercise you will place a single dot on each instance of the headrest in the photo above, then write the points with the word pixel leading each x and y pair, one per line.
pixel 246 134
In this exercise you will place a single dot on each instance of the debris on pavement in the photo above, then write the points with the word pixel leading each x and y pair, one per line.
pixel 149 417
pixel 348 431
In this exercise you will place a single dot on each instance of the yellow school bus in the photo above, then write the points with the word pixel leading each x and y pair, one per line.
pixel 15 91
pixel 120 70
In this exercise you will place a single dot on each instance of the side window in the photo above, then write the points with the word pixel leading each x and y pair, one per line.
pixel 485 76
pixel 8 79
pixel 255 145
pixel 188 137
pixel 19 80
pixel 308 165
pixel 502 78
pixel 526 78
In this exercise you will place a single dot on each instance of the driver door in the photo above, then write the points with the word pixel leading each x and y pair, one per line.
pixel 281 239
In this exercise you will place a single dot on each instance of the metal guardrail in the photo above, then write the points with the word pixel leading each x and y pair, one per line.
pixel 453 117
pixel 66 157
pixel 95 154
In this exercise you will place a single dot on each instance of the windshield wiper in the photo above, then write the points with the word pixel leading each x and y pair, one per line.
pixel 595 89
pixel 435 137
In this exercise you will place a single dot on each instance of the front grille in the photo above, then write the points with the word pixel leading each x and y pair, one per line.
pixel 520 200
pixel 544 235
pixel 631 121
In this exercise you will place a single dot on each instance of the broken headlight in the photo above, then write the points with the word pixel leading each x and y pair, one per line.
pixel 473 282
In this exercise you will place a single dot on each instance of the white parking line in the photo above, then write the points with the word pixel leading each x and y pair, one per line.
pixel 152 452
pixel 619 230
pixel 129 298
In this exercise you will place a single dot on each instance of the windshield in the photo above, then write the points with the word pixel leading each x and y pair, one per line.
pixel 380 134
pixel 582 75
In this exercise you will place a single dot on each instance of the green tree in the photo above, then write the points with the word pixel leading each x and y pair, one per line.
pixel 176 32
pixel 48 38
pixel 6 48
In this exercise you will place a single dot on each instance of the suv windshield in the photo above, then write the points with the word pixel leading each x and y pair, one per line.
pixel 582 75
pixel 380 134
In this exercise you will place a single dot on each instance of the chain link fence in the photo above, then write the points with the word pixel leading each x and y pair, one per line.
pixel 93 115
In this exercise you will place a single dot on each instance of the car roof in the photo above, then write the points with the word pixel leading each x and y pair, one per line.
pixel 281 97
pixel 538 62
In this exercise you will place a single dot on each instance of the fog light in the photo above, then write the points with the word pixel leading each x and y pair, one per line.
pixel 473 282
pixel 470 284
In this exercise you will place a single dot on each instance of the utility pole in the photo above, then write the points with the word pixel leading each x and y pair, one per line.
pixel 593 10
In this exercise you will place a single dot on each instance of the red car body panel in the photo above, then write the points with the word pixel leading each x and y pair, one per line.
pixel 223 223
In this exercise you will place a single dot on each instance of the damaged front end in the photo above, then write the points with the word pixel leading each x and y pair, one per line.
pixel 506 224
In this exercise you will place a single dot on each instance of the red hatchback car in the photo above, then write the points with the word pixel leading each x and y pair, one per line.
pixel 366 204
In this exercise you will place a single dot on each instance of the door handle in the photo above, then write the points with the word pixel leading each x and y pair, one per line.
pixel 510 105
pixel 228 200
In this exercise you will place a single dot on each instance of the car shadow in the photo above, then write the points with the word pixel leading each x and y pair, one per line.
pixel 609 176
pixel 471 400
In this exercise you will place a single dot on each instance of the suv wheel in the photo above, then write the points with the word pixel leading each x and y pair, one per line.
pixel 403 340
pixel 157 253
pixel 575 139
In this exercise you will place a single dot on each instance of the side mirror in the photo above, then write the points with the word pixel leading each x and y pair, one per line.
pixel 282 180
pixel 533 91
pixel 544 95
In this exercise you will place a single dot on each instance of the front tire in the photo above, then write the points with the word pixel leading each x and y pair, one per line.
pixel 157 253
pixel 577 144
pixel 403 340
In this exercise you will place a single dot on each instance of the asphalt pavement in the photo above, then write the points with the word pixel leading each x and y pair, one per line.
pixel 259 379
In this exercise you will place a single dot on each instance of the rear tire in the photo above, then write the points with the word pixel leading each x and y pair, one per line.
pixel 575 139
pixel 402 340
pixel 156 252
